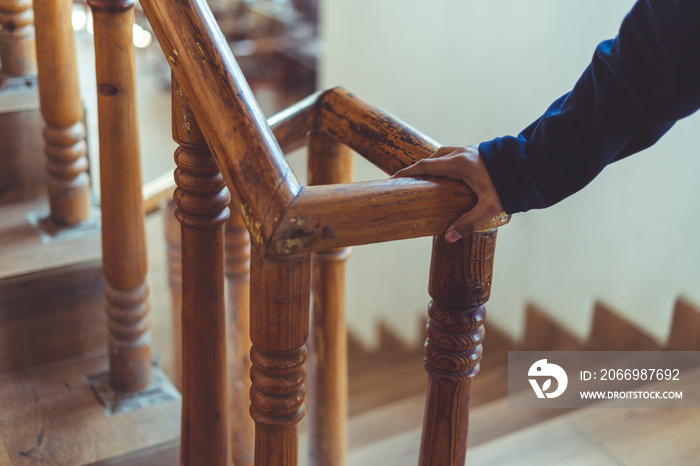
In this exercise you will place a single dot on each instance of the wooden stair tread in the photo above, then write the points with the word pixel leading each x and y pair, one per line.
pixel 603 435
pixel 384 422
pixel 376 387
pixel 23 251
pixel 596 435
pixel 50 415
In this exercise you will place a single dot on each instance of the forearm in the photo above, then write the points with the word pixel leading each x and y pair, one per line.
pixel 636 87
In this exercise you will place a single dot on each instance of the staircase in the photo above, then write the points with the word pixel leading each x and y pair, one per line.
pixel 597 434
pixel 67 397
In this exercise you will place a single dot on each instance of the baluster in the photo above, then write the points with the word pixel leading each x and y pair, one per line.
pixel 123 236
pixel 237 266
pixel 62 109
pixel 174 252
pixel 460 283
pixel 17 48
pixel 329 162
pixel 279 322
pixel 202 200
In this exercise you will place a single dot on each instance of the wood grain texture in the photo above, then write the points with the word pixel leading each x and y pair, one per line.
pixel 246 151
pixel 17 49
pixel 237 270
pixel 279 324
pixel 329 162
pixel 202 208
pixel 460 284
pixel 62 109
pixel 379 137
pixel 51 315
pixel 327 217
pixel 50 415
pixel 123 235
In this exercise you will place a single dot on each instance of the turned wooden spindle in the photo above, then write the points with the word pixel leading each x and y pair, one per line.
pixel 279 323
pixel 17 48
pixel 329 162
pixel 202 200
pixel 174 253
pixel 460 283
pixel 123 234
pixel 62 109
pixel 237 267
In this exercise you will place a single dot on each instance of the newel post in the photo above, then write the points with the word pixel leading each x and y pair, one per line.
pixel 329 162
pixel 123 234
pixel 202 202
pixel 62 109
pixel 460 284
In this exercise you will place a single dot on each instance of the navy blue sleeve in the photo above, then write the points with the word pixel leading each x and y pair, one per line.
pixel 636 87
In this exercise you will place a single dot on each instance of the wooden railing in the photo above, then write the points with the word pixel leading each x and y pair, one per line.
pixel 287 224
pixel 226 145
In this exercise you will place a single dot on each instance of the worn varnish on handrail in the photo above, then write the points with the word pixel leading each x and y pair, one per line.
pixel 251 160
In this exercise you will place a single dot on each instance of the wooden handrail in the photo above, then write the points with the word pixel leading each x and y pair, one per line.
pixel 373 133
pixel 325 217
pixel 259 177
pixel 245 149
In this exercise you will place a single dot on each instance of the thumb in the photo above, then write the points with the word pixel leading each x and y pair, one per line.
pixel 488 207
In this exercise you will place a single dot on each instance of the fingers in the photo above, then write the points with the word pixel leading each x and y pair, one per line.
pixel 463 163
pixel 468 223
pixel 441 166
pixel 417 168
pixel 444 150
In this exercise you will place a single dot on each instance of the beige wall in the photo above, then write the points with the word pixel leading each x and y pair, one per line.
pixel 467 70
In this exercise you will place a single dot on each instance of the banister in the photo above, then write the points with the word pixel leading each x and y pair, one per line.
pixel 258 175
pixel 291 126
pixel 325 217
pixel 245 149
pixel 370 131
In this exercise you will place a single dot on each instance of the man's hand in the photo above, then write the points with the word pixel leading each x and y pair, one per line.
pixel 462 164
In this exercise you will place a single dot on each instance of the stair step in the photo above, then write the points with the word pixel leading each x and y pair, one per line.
pixel 385 422
pixel 604 435
pixel 50 415
pixel 51 315
pixel 500 435
pixel 23 172
pixel 24 252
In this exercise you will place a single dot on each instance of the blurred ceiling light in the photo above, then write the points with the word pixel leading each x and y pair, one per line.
pixel 142 38
pixel 78 18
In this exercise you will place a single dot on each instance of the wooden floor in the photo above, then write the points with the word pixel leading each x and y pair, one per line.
pixel 50 416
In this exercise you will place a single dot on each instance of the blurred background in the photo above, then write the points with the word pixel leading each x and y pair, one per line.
pixel 463 71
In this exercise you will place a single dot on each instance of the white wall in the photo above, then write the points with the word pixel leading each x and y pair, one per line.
pixel 463 71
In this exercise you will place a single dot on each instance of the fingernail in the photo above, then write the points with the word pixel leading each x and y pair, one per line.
pixel 452 236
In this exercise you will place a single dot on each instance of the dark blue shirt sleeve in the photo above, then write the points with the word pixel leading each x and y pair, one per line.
pixel 636 87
